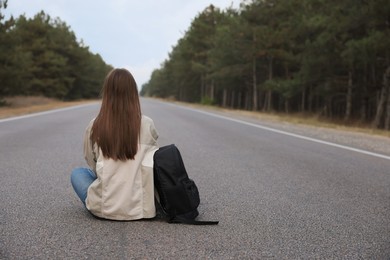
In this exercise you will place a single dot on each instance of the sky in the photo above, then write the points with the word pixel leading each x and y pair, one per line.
pixel 133 34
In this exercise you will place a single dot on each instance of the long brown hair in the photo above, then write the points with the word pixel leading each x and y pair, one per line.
pixel 116 129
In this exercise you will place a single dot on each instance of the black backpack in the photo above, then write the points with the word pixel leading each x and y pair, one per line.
pixel 179 195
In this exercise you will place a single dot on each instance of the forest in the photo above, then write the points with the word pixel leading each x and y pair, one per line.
pixel 41 56
pixel 324 57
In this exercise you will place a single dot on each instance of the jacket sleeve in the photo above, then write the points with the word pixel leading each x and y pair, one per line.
pixel 148 133
pixel 89 153
pixel 153 132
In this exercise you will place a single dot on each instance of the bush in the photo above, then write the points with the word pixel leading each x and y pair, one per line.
pixel 3 103
pixel 207 101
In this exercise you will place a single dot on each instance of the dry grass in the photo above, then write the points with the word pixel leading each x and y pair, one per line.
pixel 302 119
pixel 19 105
pixel 26 105
pixel 317 121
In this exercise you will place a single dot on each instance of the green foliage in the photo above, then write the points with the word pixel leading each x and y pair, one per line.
pixel 3 102
pixel 326 57
pixel 186 74
pixel 207 101
pixel 41 56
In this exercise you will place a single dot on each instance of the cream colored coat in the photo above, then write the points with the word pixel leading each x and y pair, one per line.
pixel 123 190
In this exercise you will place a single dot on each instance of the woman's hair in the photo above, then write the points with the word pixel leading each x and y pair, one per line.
pixel 116 129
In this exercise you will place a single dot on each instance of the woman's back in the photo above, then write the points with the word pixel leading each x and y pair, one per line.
pixel 124 189
pixel 119 145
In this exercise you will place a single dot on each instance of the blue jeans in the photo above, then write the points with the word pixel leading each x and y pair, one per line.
pixel 81 179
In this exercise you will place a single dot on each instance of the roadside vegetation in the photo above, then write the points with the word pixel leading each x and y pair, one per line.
pixel 305 61
pixel 22 105
pixel 41 56
pixel 323 59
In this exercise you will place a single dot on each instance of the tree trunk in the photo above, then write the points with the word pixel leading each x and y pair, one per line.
pixel 286 105
pixel 268 100
pixel 363 110
pixel 270 77
pixel 364 100
pixel 382 99
pixel 310 101
pixel 268 94
pixel 224 99
pixel 254 84
pixel 348 109
pixel 212 90
pixel 180 93
pixel 232 99
pixel 246 105
pixel 254 78
pixel 330 107
pixel 386 83
pixel 303 100
pixel 239 105
pixel 202 86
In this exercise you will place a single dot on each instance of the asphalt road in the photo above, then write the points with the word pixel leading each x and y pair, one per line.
pixel 277 195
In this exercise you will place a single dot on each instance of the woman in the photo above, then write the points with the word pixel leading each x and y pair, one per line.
pixel 119 145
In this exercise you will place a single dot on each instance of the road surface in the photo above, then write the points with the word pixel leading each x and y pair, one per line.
pixel 277 193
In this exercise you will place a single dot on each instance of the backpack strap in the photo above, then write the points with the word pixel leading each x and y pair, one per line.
pixel 179 220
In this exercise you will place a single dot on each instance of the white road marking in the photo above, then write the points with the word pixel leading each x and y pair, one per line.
pixel 44 113
pixel 288 133
pixel 221 117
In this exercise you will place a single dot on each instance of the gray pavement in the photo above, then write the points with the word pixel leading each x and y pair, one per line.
pixel 276 196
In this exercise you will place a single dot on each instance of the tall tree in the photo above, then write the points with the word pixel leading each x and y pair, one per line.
pixel 41 56
pixel 325 57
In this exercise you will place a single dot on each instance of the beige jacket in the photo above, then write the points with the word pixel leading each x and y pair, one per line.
pixel 123 190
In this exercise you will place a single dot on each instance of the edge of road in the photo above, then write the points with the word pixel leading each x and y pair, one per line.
pixel 50 111
pixel 366 143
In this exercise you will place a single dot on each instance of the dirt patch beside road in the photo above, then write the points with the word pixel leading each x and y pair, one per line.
pixel 19 105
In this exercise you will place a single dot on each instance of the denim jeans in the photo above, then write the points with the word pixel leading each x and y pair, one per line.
pixel 81 179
